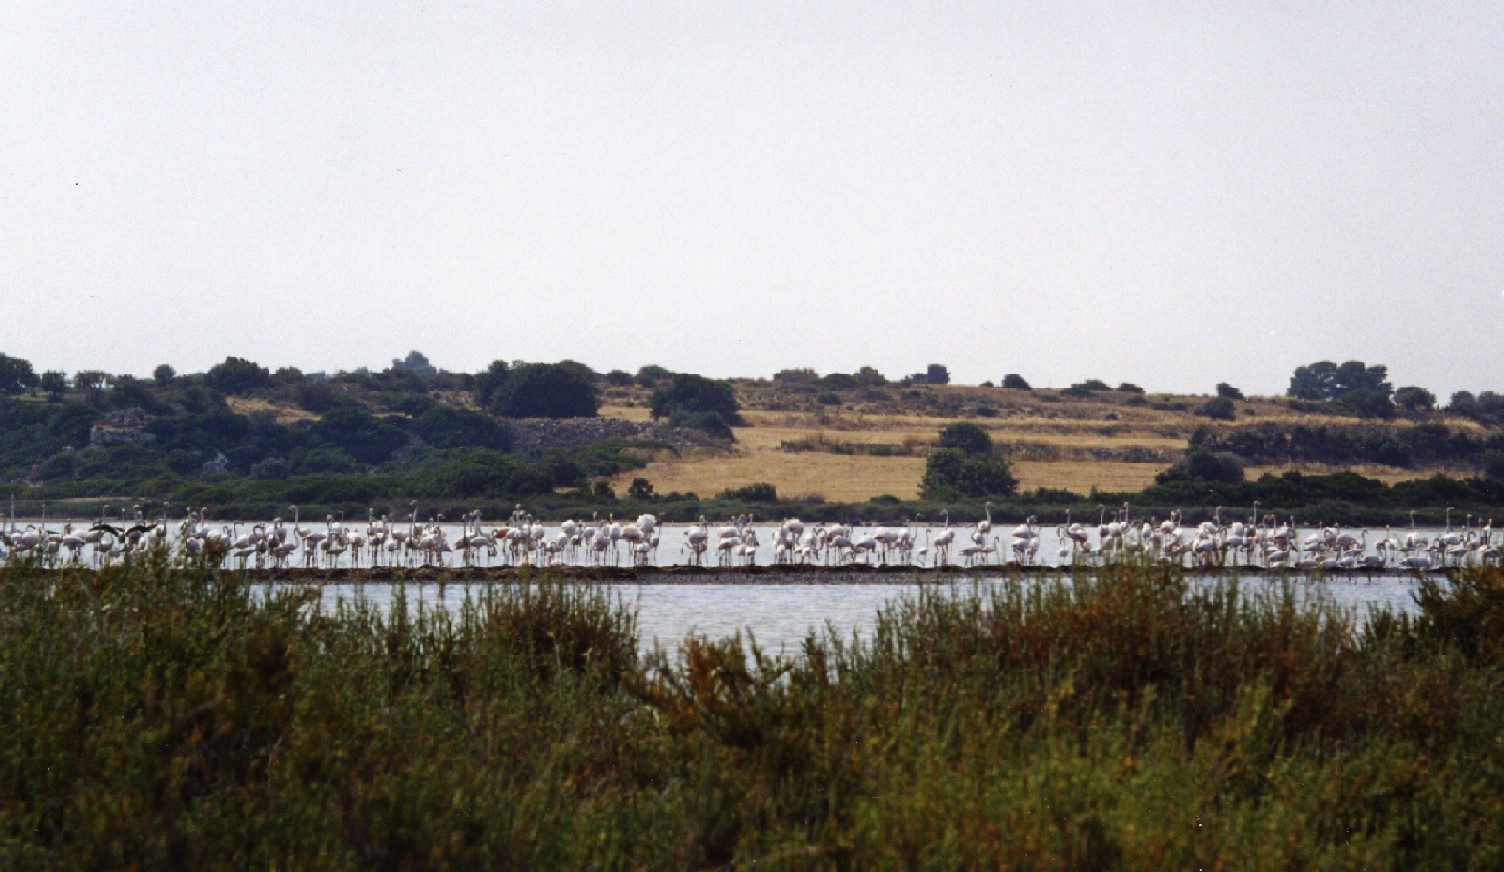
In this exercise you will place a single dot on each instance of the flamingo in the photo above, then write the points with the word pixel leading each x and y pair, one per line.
pixel 942 541
pixel 985 526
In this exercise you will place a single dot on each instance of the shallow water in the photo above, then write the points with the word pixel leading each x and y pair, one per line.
pixel 780 616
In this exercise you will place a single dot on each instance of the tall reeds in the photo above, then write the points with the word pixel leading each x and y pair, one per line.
pixel 168 715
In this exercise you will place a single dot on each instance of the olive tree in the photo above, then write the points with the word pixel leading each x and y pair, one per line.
pixel 16 375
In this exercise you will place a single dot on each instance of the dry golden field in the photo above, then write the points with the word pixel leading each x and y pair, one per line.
pixel 251 405
pixel 1054 441
pixel 838 477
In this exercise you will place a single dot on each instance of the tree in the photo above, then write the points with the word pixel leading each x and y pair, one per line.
pixel 710 423
pixel 1367 403
pixel 936 374
pixel 54 383
pixel 1086 389
pixel 688 393
pixel 1414 399
pixel 1325 380
pixel 1226 390
pixel 1220 408
pixel 446 427
pixel 548 390
pixel 963 466
pixel 1202 464
pixel 801 375
pixel 1129 388
pixel 1493 465
pixel 288 376
pixel 316 397
pixel 314 461
pixel 757 492
pixel 1016 382
pixel 1491 404
pixel 130 392
pixel 950 473
pixel 237 376
pixel 486 474
pixel 649 376
pixel 640 489
pixel 16 375
pixel 272 469
pixel 869 377
pixel 363 436
pixel 198 399
pixel 399 381
pixel 967 438
pixel 91 380
pixel 488 385
pixel 415 363
pixel 163 375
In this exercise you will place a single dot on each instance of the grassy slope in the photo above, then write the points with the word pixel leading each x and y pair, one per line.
pixel 1056 441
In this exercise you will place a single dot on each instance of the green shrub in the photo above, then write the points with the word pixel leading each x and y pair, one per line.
pixel 693 394
pixel 16 375
pixel 712 423
pixel 1367 403
pixel 237 376
pixel 1199 464
pixel 547 390
pixel 447 427
pixel 1220 408
pixel 951 473
pixel 757 492
pixel 966 437
pixel 359 434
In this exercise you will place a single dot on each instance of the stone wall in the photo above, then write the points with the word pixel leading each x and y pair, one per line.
pixel 536 435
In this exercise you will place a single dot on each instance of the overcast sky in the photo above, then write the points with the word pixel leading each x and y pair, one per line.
pixel 1172 194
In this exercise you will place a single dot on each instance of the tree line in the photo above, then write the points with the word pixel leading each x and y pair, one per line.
pixel 348 437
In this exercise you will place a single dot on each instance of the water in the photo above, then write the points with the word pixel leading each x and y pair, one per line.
pixel 780 616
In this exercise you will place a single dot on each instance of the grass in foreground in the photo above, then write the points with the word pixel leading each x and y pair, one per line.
pixel 167 716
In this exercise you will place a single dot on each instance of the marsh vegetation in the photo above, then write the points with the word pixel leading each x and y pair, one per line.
pixel 170 715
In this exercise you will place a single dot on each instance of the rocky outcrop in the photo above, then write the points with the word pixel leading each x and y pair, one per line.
pixel 125 427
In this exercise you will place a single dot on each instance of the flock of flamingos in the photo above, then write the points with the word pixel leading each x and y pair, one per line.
pixel 1257 541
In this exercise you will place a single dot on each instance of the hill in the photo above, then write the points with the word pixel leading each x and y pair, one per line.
pixel 251 442
pixel 856 443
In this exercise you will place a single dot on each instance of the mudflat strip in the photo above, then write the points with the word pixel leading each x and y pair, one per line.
pixel 794 574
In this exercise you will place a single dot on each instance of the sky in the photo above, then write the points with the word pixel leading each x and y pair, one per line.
pixel 1169 194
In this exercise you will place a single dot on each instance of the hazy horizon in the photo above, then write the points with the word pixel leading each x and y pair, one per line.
pixel 1172 195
